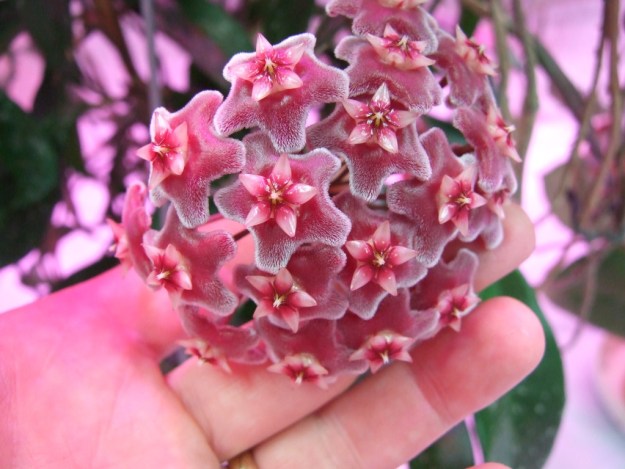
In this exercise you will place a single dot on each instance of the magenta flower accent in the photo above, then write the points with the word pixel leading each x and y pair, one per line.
pixel 473 54
pixel 318 220
pixel 279 296
pixel 120 247
pixel 376 258
pixel 377 122
pixel 206 353
pixel 207 157
pixel 380 349
pixel 456 303
pixel 270 70
pixel 399 50
pixel 301 368
pixel 457 198
pixel 167 151
pixel 169 270
pixel 501 132
pixel 135 223
pixel 277 196
pixel 282 111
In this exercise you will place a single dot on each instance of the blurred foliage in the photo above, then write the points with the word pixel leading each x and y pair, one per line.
pixel 519 429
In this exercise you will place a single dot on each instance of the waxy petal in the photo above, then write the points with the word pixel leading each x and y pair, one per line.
pixel 301 299
pixel 382 236
pixel 287 220
pixel 299 193
pixel 262 283
pixel 262 88
pixel 288 79
pixel 387 139
pixel 386 279
pixel 362 276
pixel 359 250
pixel 259 213
pixel 400 255
pixel 360 134
pixel 281 172
pixel 255 184
pixel 283 282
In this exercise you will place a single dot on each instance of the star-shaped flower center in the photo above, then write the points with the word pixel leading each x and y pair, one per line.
pixel 169 269
pixel 454 304
pixel 168 150
pixel 399 50
pixel 456 199
pixel 474 54
pixel 302 367
pixel 383 347
pixel 271 69
pixel 376 258
pixel 377 121
pixel 502 134
pixel 280 297
pixel 278 196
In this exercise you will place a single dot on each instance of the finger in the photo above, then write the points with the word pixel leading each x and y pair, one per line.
pixel 518 243
pixel 396 414
pixel 238 411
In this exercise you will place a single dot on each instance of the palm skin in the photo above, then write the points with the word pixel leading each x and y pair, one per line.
pixel 80 385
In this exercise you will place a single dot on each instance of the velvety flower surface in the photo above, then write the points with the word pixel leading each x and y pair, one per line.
pixel 135 222
pixel 279 107
pixel 315 221
pixel 201 255
pixel 207 157
pixel 358 142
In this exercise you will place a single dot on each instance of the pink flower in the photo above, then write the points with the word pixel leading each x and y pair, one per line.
pixel 377 121
pixel 301 368
pixel 120 248
pixel 376 259
pixel 277 196
pixel 315 221
pixel 502 134
pixel 270 70
pixel 167 152
pixel 473 54
pixel 206 353
pixel 279 105
pixel 280 296
pixel 320 284
pixel 135 223
pixel 190 268
pixel 399 50
pixel 370 162
pixel 456 303
pixel 380 349
pixel 207 157
pixel 457 198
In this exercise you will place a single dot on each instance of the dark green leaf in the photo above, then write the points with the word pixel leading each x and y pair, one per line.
pixel 453 135
pixel 221 27
pixel 451 451
pixel 519 429
pixel 282 18
pixel 608 307
pixel 468 21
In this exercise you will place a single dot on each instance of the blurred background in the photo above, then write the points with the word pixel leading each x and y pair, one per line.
pixel 79 80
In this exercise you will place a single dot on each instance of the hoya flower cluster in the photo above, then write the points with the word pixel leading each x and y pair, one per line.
pixel 362 223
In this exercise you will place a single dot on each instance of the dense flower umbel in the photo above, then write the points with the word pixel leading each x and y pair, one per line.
pixel 362 224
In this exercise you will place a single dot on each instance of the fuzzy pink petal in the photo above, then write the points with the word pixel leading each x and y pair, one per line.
pixel 286 219
pixel 386 279
pixel 387 139
pixel 382 236
pixel 283 282
pixel 281 172
pixel 362 276
pixel 299 193
pixel 262 283
pixel 259 213
pixel 405 118
pixel 360 134
pixel 293 54
pixel 400 255
pixel 359 250
pixel 301 299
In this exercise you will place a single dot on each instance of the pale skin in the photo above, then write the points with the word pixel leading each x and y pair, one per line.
pixel 80 385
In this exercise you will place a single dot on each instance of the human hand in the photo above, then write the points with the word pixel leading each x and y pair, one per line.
pixel 80 385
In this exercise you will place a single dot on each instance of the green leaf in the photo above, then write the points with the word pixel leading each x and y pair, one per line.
pixel 468 21
pixel 519 429
pixel 216 23
pixel 282 18
pixel 608 274
pixel 453 450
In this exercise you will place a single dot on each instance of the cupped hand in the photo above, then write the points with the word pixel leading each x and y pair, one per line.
pixel 80 385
